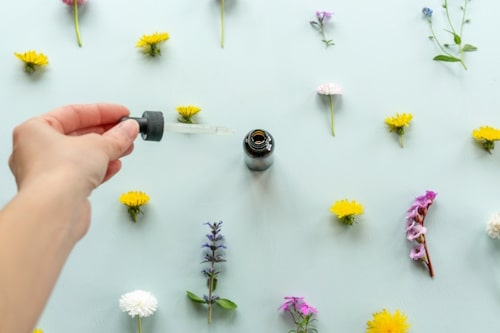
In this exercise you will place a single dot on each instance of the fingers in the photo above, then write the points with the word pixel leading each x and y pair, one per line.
pixel 113 168
pixel 119 139
pixel 72 118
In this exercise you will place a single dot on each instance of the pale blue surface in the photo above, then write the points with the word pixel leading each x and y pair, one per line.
pixel 281 237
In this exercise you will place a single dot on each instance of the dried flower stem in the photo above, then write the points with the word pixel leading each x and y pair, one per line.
pixel 77 29
pixel 427 256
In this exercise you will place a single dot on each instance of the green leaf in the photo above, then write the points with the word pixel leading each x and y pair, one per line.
pixel 446 58
pixel 214 286
pixel 457 39
pixel 469 48
pixel 195 298
pixel 226 304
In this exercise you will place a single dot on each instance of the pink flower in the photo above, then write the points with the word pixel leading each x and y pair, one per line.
pixel 415 231
pixel 70 2
pixel 307 309
pixel 321 15
pixel 291 302
pixel 426 199
pixel 329 89
pixel 418 252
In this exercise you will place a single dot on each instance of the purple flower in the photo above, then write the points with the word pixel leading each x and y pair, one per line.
pixel 418 252
pixel 427 12
pixel 415 231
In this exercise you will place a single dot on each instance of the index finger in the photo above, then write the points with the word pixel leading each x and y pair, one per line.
pixel 71 118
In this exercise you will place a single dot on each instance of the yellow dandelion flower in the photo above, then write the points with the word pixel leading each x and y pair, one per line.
pixel 487 136
pixel 37 330
pixel 385 322
pixel 187 112
pixel 32 60
pixel 134 200
pixel 347 210
pixel 397 123
pixel 150 42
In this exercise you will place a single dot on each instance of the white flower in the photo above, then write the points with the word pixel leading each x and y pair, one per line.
pixel 329 89
pixel 138 302
pixel 493 226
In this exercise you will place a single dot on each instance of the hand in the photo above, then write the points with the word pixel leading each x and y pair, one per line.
pixel 72 150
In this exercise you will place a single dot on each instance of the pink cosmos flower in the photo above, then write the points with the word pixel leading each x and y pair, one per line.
pixel 70 2
pixel 418 252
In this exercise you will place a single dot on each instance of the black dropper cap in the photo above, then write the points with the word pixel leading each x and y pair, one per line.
pixel 150 125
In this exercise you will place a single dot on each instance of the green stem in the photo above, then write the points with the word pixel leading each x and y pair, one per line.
pixel 448 16
pixel 464 10
pixel 460 51
pixel 77 29
pixel 332 114
pixel 210 292
pixel 222 22
pixel 139 325
pixel 401 141
pixel 436 40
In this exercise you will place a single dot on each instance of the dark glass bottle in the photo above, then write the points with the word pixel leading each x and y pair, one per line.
pixel 258 146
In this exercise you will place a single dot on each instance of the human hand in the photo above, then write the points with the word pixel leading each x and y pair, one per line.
pixel 72 150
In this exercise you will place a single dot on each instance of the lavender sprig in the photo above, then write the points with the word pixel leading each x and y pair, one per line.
pixel 214 254
pixel 322 17
pixel 415 229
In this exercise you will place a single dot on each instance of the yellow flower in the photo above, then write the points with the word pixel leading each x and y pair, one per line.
pixel 385 322
pixel 150 42
pixel 398 123
pixel 37 330
pixel 32 60
pixel 134 200
pixel 187 112
pixel 487 136
pixel 347 210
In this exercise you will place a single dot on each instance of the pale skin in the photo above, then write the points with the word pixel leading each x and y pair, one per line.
pixel 57 159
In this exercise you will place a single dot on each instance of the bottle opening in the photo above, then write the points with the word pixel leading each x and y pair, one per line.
pixel 259 140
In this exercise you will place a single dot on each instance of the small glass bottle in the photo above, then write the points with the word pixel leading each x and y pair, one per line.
pixel 258 146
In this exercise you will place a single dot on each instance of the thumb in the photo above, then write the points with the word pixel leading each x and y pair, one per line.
pixel 120 138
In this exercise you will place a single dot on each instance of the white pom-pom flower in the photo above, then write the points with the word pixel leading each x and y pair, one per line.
pixel 138 303
pixel 493 226
pixel 329 89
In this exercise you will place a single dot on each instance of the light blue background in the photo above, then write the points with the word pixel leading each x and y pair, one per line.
pixel 281 237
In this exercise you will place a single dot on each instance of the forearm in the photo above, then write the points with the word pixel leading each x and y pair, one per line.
pixel 36 237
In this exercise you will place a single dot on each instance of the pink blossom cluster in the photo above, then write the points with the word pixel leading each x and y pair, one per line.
pixel 322 15
pixel 297 304
pixel 415 229
pixel 70 2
